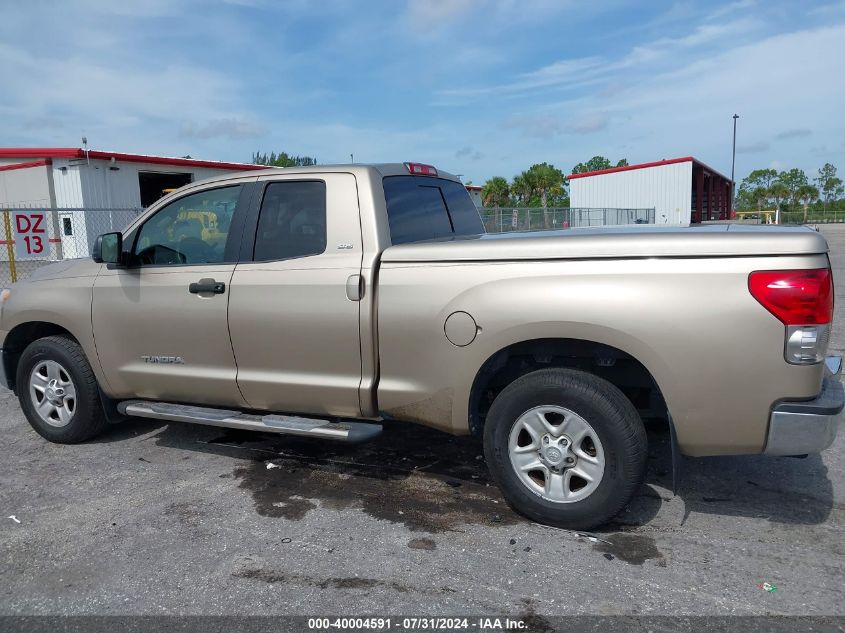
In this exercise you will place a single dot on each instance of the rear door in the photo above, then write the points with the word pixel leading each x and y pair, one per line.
pixel 295 296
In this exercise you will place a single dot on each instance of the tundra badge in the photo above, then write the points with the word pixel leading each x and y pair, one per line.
pixel 172 360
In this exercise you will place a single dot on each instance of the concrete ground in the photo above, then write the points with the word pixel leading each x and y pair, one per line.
pixel 176 519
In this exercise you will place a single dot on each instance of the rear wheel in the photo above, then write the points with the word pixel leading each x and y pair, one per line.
pixel 58 392
pixel 567 448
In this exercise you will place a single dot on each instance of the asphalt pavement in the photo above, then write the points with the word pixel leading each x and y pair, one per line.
pixel 157 518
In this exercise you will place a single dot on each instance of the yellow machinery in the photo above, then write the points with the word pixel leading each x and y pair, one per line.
pixel 208 220
pixel 766 216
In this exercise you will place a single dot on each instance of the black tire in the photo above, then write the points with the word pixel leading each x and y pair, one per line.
pixel 88 419
pixel 613 418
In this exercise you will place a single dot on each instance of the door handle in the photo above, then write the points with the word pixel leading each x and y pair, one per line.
pixel 209 286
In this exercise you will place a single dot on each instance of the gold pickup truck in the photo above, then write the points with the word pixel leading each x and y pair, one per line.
pixel 332 298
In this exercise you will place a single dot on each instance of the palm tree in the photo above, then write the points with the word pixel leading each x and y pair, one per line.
pixel 760 195
pixel 806 194
pixel 495 193
pixel 522 187
pixel 546 179
pixel 779 192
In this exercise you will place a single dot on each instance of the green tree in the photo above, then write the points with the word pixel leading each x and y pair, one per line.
pixel 496 192
pixel 547 180
pixel 597 163
pixel 755 188
pixel 282 159
pixel 793 180
pixel 522 188
pixel 779 192
pixel 806 194
pixel 829 185
pixel 760 196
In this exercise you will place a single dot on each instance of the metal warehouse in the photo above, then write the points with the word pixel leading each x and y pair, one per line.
pixel 680 190
pixel 82 193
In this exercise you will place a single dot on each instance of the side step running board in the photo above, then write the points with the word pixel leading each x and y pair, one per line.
pixel 283 424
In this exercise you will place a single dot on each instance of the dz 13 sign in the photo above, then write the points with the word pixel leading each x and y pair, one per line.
pixel 31 240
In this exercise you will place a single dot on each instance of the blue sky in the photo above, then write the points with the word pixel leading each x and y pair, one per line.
pixel 479 88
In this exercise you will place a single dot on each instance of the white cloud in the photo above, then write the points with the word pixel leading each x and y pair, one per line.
pixel 435 14
pixel 231 128
pixel 833 9
pixel 549 80
pixel 753 148
pixel 541 126
pixel 589 122
pixel 583 71
pixel 794 133
pixel 555 74
pixel 468 153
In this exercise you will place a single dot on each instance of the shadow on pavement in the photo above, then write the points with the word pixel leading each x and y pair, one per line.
pixel 434 482
pixel 780 489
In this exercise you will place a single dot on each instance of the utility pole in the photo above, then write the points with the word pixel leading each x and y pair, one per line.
pixel 733 165
pixel 352 158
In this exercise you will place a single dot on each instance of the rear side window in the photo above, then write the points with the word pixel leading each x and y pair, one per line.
pixel 424 208
pixel 292 220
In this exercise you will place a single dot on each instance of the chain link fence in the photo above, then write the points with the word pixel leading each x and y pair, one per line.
pixel 533 219
pixel 32 238
pixel 813 215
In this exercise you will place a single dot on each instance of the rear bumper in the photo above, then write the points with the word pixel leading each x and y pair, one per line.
pixel 797 428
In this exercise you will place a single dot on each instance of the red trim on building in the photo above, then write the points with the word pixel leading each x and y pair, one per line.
pixel 76 152
pixel 658 163
pixel 671 161
pixel 32 163
pixel 473 187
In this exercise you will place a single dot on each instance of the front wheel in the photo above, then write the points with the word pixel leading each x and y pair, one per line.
pixel 58 391
pixel 566 448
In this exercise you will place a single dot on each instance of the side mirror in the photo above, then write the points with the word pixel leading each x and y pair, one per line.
pixel 108 248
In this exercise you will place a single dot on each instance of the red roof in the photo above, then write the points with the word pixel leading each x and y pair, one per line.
pixel 27 165
pixel 77 152
pixel 670 161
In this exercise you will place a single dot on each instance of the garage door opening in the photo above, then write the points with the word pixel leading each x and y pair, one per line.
pixel 155 184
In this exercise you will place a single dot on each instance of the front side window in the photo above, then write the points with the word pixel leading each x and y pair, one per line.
pixel 292 220
pixel 190 230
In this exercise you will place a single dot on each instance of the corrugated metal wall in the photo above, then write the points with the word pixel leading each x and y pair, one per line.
pixel 666 188
pixel 103 187
pixel 29 187
pixel 79 184
pixel 67 185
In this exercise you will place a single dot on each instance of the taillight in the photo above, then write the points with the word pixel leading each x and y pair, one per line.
pixel 796 297
pixel 418 169
pixel 803 301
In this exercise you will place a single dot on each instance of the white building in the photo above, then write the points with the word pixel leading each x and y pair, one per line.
pixel 680 190
pixel 475 194
pixel 116 183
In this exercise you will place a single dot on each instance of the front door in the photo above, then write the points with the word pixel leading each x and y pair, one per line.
pixel 294 309
pixel 160 324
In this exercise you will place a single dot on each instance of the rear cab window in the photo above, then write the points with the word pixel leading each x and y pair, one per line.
pixel 424 208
